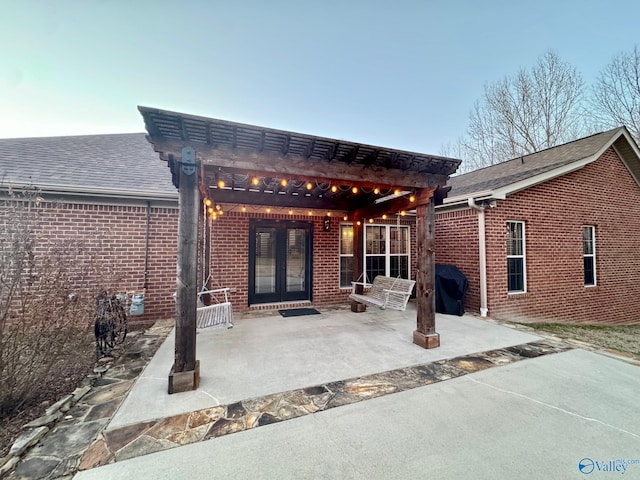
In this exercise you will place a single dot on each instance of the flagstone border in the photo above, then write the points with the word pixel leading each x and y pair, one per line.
pixel 153 436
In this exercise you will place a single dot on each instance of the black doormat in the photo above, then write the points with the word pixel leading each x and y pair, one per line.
pixel 298 312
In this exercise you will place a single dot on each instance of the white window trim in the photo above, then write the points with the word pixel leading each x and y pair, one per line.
pixel 340 255
pixel 592 255
pixel 387 254
pixel 524 260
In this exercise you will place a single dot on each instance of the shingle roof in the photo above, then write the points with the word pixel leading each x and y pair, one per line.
pixel 122 165
pixel 521 168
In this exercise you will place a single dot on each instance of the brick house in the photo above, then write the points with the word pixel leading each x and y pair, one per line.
pixel 550 236
pixel 100 189
pixel 115 188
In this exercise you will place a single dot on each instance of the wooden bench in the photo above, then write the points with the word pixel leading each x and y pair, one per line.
pixel 384 292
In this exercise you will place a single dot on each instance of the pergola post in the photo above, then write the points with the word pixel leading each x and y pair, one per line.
pixel 425 334
pixel 185 372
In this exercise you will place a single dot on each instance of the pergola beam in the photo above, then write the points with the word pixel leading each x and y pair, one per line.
pixel 283 200
pixel 271 164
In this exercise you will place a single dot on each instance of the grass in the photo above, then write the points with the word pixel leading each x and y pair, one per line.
pixel 624 338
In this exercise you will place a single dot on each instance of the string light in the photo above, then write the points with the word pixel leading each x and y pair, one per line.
pixel 384 216
pixel 268 210
pixel 403 213
pixel 283 182
pixel 412 198
pixel 290 212
pixel 210 210
pixel 334 189
pixel 218 207
pixel 220 183
pixel 310 213
pixel 358 222
pixel 244 209
pixel 345 218
pixel 255 181
pixel 354 190
pixel 396 192
pixel 376 190
pixel 207 202
pixel 309 186
pixel 371 220
pixel 328 214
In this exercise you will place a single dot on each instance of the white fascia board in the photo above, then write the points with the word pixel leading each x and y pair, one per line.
pixel 636 151
pixel 464 199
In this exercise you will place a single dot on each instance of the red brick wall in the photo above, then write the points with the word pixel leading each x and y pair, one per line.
pixel 602 194
pixel 230 256
pixel 120 233
pixel 457 244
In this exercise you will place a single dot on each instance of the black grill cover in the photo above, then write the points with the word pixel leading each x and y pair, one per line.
pixel 451 286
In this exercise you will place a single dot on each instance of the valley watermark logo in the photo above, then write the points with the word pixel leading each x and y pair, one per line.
pixel 587 465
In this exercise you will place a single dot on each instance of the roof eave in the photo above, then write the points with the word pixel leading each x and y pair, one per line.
pixel 105 193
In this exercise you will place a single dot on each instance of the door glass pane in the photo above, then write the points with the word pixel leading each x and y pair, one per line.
pixel 296 254
pixel 265 255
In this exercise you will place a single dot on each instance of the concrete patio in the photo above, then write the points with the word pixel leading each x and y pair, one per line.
pixel 268 354
pixel 353 397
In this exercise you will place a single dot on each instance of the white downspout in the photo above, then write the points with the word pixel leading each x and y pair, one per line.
pixel 482 252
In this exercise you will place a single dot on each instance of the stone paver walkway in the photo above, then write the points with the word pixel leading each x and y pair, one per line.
pixel 59 452
pixel 152 436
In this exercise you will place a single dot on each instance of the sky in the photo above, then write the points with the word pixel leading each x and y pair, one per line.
pixel 400 74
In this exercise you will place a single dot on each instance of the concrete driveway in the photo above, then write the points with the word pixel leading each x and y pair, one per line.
pixel 572 414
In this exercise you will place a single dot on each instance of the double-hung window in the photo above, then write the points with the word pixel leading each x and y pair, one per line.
pixel 516 264
pixel 387 251
pixel 589 254
pixel 346 255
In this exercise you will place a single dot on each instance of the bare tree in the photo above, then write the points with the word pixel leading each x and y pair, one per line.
pixel 616 93
pixel 536 109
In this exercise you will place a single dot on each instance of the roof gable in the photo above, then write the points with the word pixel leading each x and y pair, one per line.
pixel 123 165
pixel 498 181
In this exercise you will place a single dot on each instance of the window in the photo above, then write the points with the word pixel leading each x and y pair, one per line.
pixel 387 251
pixel 516 277
pixel 346 255
pixel 589 254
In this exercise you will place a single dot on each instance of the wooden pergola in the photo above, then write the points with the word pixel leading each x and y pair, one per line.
pixel 250 165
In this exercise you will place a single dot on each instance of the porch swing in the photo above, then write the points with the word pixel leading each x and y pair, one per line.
pixel 218 312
